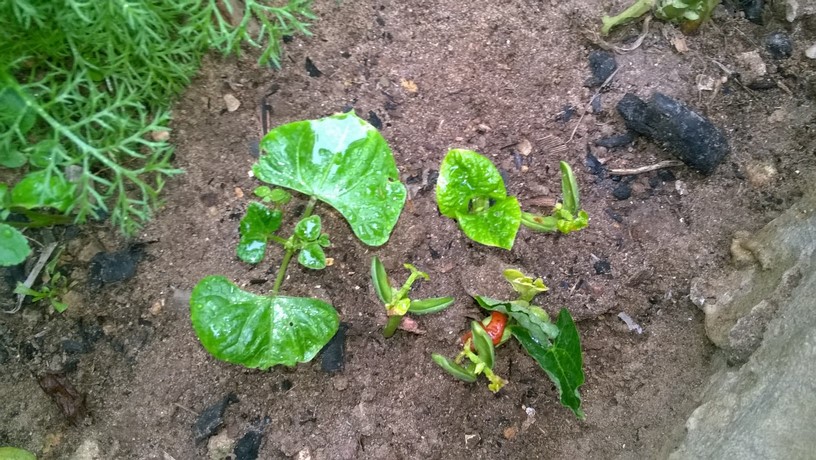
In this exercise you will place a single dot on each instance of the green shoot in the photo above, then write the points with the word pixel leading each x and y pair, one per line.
pixel 396 301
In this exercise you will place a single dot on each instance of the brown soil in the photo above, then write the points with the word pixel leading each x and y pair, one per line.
pixel 489 74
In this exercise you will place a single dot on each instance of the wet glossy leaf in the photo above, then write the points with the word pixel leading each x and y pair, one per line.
pixel 379 279
pixel 37 190
pixel 471 190
pixel 258 224
pixel 343 161
pixel 259 331
pixel 14 248
pixel 308 229
pixel 562 361
pixel 454 369
pixel 274 195
pixel 312 256
pixel 433 305
pixel 324 240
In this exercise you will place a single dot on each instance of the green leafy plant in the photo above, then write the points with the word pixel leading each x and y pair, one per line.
pixel 53 287
pixel 556 347
pixel 339 160
pixel 688 13
pixel 85 89
pixel 471 190
pixel 396 301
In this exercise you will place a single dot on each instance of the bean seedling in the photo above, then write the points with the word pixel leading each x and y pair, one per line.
pixel 688 13
pixel 471 190
pixel 396 301
pixel 340 160
pixel 555 347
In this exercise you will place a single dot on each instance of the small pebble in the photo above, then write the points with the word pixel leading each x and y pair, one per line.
pixel 232 102
pixel 622 191
pixel 603 267
pixel 779 45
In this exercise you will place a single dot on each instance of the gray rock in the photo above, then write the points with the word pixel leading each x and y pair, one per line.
pixel 767 407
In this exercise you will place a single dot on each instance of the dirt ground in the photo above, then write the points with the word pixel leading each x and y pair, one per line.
pixel 488 75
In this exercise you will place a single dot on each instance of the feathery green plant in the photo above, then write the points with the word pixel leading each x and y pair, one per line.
pixel 85 88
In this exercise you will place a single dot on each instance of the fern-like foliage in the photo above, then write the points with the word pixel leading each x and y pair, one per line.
pixel 85 86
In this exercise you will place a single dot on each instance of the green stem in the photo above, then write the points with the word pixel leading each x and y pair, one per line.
pixel 538 222
pixel 290 252
pixel 392 325
pixel 279 240
pixel 636 10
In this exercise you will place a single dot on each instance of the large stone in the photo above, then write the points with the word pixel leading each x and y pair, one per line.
pixel 767 407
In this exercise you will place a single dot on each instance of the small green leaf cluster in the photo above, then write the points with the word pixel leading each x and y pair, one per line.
pixel 555 347
pixel 688 13
pixel 259 225
pixel 471 190
pixel 85 89
pixel 396 301
pixel 481 353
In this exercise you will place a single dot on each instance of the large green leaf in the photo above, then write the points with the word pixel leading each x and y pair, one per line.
pixel 343 161
pixel 14 247
pixel 38 190
pixel 259 331
pixel 471 190
pixel 258 224
pixel 562 361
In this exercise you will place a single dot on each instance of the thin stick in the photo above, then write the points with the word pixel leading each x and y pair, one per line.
pixel 604 85
pixel 643 169
pixel 35 273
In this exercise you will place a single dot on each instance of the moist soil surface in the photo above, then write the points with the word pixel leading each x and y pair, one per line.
pixel 432 75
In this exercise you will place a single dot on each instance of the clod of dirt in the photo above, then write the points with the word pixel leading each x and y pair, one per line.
pixel 616 140
pixel 753 10
pixel 248 446
pixel 374 120
pixel 312 69
pixel 779 44
pixel 212 417
pixel 69 400
pixel 622 191
pixel 691 136
pixel 110 267
pixel 231 102
pixel 603 267
pixel 333 354
pixel 602 64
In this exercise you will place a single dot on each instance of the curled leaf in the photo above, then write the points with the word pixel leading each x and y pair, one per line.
pixel 483 344
pixel 526 287
pixel 433 305
pixel 380 281
pixel 454 369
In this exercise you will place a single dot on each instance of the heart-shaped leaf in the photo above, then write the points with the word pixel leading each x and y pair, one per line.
pixel 343 161
pixel 258 223
pixel 308 229
pixel 259 331
pixel 471 190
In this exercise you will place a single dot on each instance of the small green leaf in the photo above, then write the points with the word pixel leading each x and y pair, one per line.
pixel 13 453
pixel 58 306
pixel 380 281
pixel 524 285
pixel 574 224
pixel 10 156
pixel 308 229
pixel 562 361
pixel 569 188
pixel 433 305
pixel 275 195
pixel 258 224
pixel 312 256
pixel 454 369
pixel 343 161
pixel 37 190
pixel 14 248
pixel 483 344
pixel 259 331
pixel 324 240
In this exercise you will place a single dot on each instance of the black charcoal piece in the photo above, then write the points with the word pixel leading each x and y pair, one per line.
pixel 689 135
pixel 211 418
pixel 333 354
pixel 602 64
